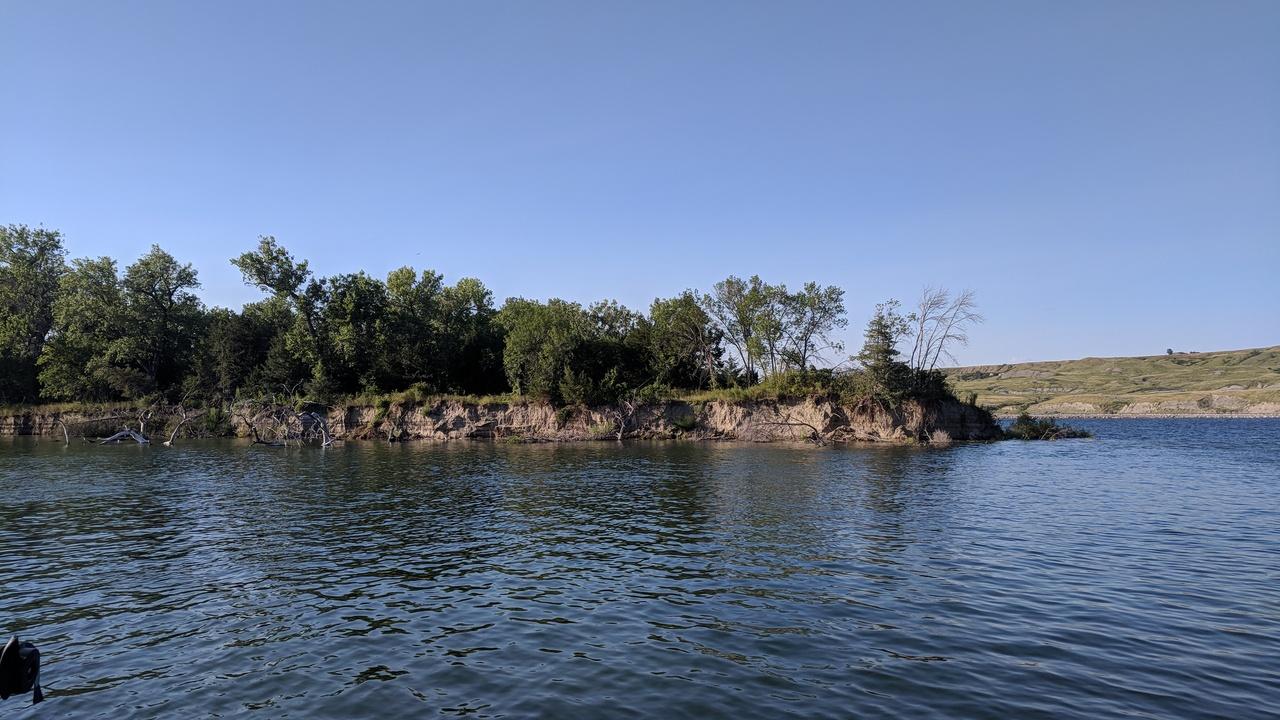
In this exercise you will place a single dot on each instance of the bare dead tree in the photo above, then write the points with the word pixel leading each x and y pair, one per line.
pixel 141 415
pixel 815 435
pixel 255 412
pixel 924 320
pixel 940 323
pixel 237 411
pixel 186 417
pixel 64 424
pixel 394 422
pixel 144 414
pixel 622 414
pixel 319 427
pixel 955 324
pixel 274 424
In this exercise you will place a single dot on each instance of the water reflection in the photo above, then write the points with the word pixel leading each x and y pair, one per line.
pixel 677 580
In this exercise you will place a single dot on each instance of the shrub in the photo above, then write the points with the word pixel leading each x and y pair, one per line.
pixel 217 423
pixel 1029 428
pixel 685 423
pixel 654 393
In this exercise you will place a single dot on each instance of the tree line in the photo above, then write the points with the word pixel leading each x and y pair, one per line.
pixel 85 331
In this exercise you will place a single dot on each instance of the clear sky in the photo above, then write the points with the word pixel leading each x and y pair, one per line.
pixel 1105 175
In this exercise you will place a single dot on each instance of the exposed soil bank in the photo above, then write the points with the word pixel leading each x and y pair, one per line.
pixel 757 421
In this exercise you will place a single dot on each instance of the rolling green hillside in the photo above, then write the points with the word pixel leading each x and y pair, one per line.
pixel 1230 382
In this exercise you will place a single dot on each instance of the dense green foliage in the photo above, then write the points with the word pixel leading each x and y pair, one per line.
pixel 31 267
pixel 84 331
pixel 121 337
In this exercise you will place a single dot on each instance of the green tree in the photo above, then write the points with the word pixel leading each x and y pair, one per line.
pixel 541 340
pixel 771 326
pixel 162 321
pixel 563 353
pixel 683 344
pixel 411 332
pixel 734 306
pixel 32 263
pixel 771 329
pixel 246 352
pixel 88 316
pixel 352 331
pixel 122 337
pixel 813 315
pixel 615 358
pixel 471 339
pixel 272 269
pixel 888 377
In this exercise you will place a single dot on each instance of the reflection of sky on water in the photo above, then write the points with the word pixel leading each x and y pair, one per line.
pixel 682 580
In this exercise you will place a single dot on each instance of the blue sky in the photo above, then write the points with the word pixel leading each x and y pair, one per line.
pixel 1105 175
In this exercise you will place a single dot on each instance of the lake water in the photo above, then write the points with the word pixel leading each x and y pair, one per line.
pixel 1133 575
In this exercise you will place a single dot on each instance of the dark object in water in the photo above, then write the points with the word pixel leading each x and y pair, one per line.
pixel 20 670
pixel 1029 428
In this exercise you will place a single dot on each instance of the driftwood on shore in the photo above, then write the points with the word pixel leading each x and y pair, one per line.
pixel 185 417
pixel 63 423
pixel 141 416
pixel 275 425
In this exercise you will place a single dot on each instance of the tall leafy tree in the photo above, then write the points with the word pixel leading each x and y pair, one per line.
pixel 411 349
pixel 734 306
pixel 163 320
pixel 88 316
pixel 471 339
pixel 813 315
pixel 32 263
pixel 565 353
pixel 541 342
pixel 770 326
pixel 684 346
pixel 122 337
pixel 246 353
pixel 615 360
pixel 352 331
pixel 272 269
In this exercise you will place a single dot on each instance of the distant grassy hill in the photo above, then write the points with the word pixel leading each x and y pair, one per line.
pixel 1231 382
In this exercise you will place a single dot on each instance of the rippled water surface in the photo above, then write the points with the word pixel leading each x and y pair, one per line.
pixel 1137 574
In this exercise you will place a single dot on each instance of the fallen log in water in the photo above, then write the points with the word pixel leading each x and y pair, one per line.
pixel 126 434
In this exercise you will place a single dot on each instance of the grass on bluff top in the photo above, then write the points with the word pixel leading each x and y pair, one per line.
pixel 1209 382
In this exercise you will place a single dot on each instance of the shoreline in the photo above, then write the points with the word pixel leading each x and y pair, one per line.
pixel 808 419
pixel 1149 416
